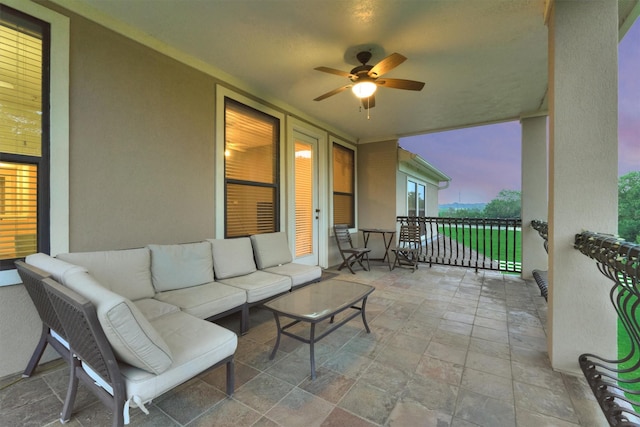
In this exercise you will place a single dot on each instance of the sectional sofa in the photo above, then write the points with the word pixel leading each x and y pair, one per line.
pixel 152 302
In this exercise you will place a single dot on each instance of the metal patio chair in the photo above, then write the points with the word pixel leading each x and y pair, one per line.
pixel 350 254
pixel 409 246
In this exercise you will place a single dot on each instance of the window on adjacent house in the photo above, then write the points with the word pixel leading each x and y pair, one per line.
pixel 416 199
pixel 251 171
pixel 343 185
pixel 24 136
pixel 411 198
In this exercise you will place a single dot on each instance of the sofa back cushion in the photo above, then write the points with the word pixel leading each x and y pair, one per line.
pixel 133 339
pixel 271 249
pixel 57 268
pixel 232 257
pixel 181 266
pixel 126 272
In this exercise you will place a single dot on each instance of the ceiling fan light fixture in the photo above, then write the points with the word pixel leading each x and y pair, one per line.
pixel 364 89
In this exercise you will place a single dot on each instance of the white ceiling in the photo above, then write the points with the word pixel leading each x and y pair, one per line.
pixel 482 60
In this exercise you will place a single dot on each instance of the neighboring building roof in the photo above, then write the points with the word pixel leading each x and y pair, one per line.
pixel 412 163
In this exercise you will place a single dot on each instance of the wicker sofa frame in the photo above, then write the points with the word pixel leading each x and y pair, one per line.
pixel 90 357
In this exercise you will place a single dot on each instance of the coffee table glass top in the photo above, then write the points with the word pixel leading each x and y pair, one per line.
pixel 321 300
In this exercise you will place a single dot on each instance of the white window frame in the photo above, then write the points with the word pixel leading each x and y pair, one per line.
pixel 221 93
pixel 406 195
pixel 58 128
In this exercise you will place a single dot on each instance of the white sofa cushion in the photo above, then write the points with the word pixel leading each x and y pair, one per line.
pixel 126 272
pixel 206 300
pixel 195 344
pixel 232 257
pixel 181 266
pixel 152 308
pixel 130 334
pixel 271 249
pixel 57 268
pixel 299 273
pixel 260 285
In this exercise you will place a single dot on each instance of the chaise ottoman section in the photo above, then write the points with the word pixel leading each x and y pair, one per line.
pixel 195 346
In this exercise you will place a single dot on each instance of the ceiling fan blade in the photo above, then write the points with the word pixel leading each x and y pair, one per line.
pixel 386 65
pixel 369 102
pixel 333 92
pixel 400 84
pixel 333 71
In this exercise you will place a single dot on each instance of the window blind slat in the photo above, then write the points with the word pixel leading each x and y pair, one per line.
pixel 343 183
pixel 251 153
pixel 21 134
pixel 18 210
pixel 304 199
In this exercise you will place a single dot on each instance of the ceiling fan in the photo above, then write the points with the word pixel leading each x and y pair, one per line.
pixel 366 78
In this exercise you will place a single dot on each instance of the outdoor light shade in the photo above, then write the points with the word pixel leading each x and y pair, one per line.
pixel 364 89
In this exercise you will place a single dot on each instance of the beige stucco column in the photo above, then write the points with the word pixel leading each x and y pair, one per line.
pixel 583 147
pixel 534 192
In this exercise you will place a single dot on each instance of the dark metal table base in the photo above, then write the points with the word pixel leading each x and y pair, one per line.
pixel 282 330
pixel 366 233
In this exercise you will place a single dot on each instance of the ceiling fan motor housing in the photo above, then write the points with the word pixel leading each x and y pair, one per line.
pixel 362 70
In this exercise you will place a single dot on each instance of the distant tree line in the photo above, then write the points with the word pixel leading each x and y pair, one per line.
pixel 629 207
pixel 508 205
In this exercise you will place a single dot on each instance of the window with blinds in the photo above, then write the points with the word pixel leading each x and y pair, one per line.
pixel 251 171
pixel 304 198
pixel 343 185
pixel 24 47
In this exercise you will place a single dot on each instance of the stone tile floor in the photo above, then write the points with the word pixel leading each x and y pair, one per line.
pixel 448 347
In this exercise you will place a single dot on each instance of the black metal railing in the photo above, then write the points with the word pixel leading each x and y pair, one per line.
pixel 616 383
pixel 540 276
pixel 480 243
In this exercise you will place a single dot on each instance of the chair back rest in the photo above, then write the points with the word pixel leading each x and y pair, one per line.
pixel 32 278
pixel 343 237
pixel 409 236
pixel 84 333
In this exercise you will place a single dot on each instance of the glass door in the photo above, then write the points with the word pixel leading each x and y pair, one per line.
pixel 307 212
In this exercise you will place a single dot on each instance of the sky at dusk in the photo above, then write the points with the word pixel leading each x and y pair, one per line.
pixel 483 160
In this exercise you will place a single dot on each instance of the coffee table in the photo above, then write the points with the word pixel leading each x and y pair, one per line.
pixel 316 303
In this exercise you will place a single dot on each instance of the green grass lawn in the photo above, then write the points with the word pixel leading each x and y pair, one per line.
pixel 494 244
pixel 624 346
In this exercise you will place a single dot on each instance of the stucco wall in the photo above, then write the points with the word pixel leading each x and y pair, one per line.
pixel 141 144
pixel 377 166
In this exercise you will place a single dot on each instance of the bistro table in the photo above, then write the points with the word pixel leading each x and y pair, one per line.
pixel 387 238
pixel 315 303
